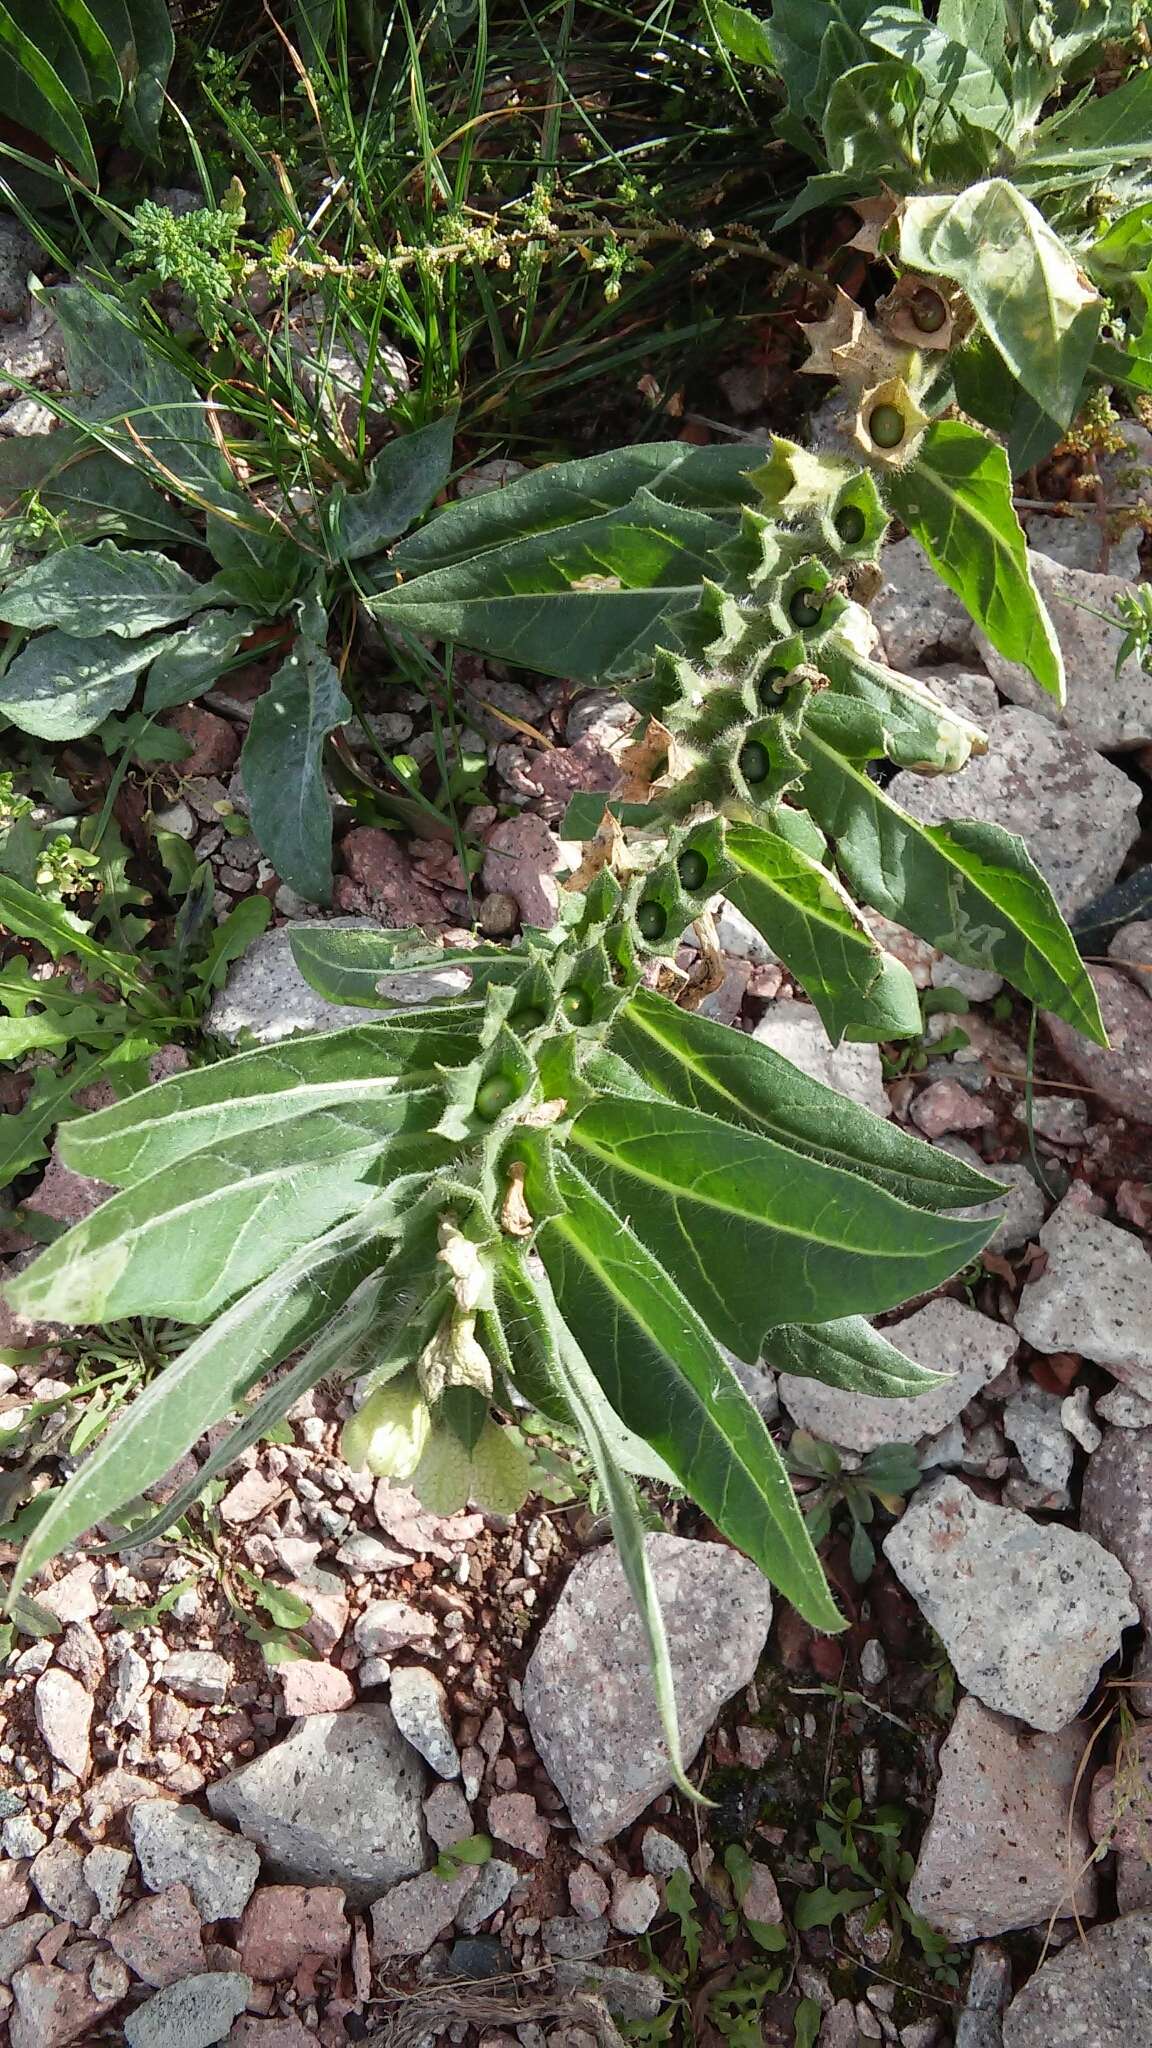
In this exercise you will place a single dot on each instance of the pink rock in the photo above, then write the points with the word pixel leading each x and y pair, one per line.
pixel 761 1900
pixel 64 1718
pixel 377 863
pixel 65 1196
pixel 53 2007
pixel 252 2033
pixel 408 1919
pixel 253 1494
pixel 588 1892
pixel 14 1891
pixel 566 769
pixel 315 1688
pixel 72 1598
pixel 512 1816
pixel 327 1597
pixel 214 741
pixel 159 1937
pixel 283 1923
pixel 946 1106
pixel 521 861
pixel 635 1903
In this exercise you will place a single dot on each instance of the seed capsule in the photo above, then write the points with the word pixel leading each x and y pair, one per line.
pixel 692 869
pixel 886 426
pixel 388 1434
pixel 530 1018
pixel 754 762
pixel 494 1095
pixel 576 1004
pixel 850 524
pixel 928 311
pixel 804 608
pixel 652 920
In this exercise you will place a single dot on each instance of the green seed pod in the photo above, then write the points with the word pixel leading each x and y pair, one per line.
pixel 928 311
pixel 755 763
pixel 769 695
pixel 850 524
pixel 530 1018
pixel 651 920
pixel 886 425
pixel 692 869
pixel 805 608
pixel 494 1095
pixel 388 1434
pixel 576 1004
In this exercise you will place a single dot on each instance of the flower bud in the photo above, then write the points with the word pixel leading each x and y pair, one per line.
pixel 389 1432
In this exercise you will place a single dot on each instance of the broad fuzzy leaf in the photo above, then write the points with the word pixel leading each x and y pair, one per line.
pixel 402 482
pixel 1021 278
pixel 668 1381
pixel 956 498
pixel 347 966
pixel 849 1354
pixel 190 1238
pixel 973 890
pixel 96 492
pixel 586 600
pixel 194 659
pixel 209 1106
pixel 60 688
pixel 36 96
pixel 756 1233
pixel 125 382
pixel 32 915
pixel 102 589
pixel 207 1381
pixel 809 919
pixel 283 765
pixel 708 1066
pixel 954 76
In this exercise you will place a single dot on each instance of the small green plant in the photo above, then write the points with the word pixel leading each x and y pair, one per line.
pixel 914 1055
pixel 870 1853
pixel 195 251
pixel 565 1187
pixel 883 1477
pixel 1019 237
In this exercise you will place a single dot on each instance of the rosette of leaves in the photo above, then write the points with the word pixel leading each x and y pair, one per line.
pixel 1011 195
pixel 70 62
pixel 564 1188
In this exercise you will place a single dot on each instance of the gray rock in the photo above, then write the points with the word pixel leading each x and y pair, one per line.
pixel 794 1031
pixel 196 2013
pixel 1028 1614
pixel 1126 473
pixel 1125 1410
pixel 337 1802
pixel 966 690
pixel 58 1875
pixel 64 1718
pixel 1116 1508
pixel 628 1994
pixel 106 1871
pixel 19 1942
pixel 1104 709
pixel 412 1915
pixel 1062 1119
pixel 588 1693
pixel 31 350
pixel 1097 1993
pixel 919 619
pixel 738 937
pixel 180 1845
pixel 1033 1424
pixel 1007 1830
pixel 448 1816
pixel 1120 1073
pixel 988 1992
pixel 420 1709
pixel 1075 812
pixel 566 1934
pixel 202 1676
pixel 660 1855
pixel 1131 949
pixel 1094 1296
pixel 1021 1215
pixel 17 258
pixel 944 1336
pixel 495 1883
pixel 1075 544
pixel 266 998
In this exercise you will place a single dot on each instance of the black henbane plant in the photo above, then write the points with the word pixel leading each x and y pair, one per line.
pixel 564 1188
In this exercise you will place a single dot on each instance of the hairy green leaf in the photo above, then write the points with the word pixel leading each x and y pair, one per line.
pixel 809 919
pixel 754 1232
pixel 954 75
pixel 347 966
pixel 1021 278
pixel 194 659
pixel 668 1381
pixel 970 889
pixel 956 498
pixel 91 490
pixel 707 1066
pixel 402 482
pixel 125 384
pixel 102 589
pixel 283 766
pixel 742 33
pixel 206 1382
pixel 848 1353
pixel 35 95
pixel 59 687
pixel 33 915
